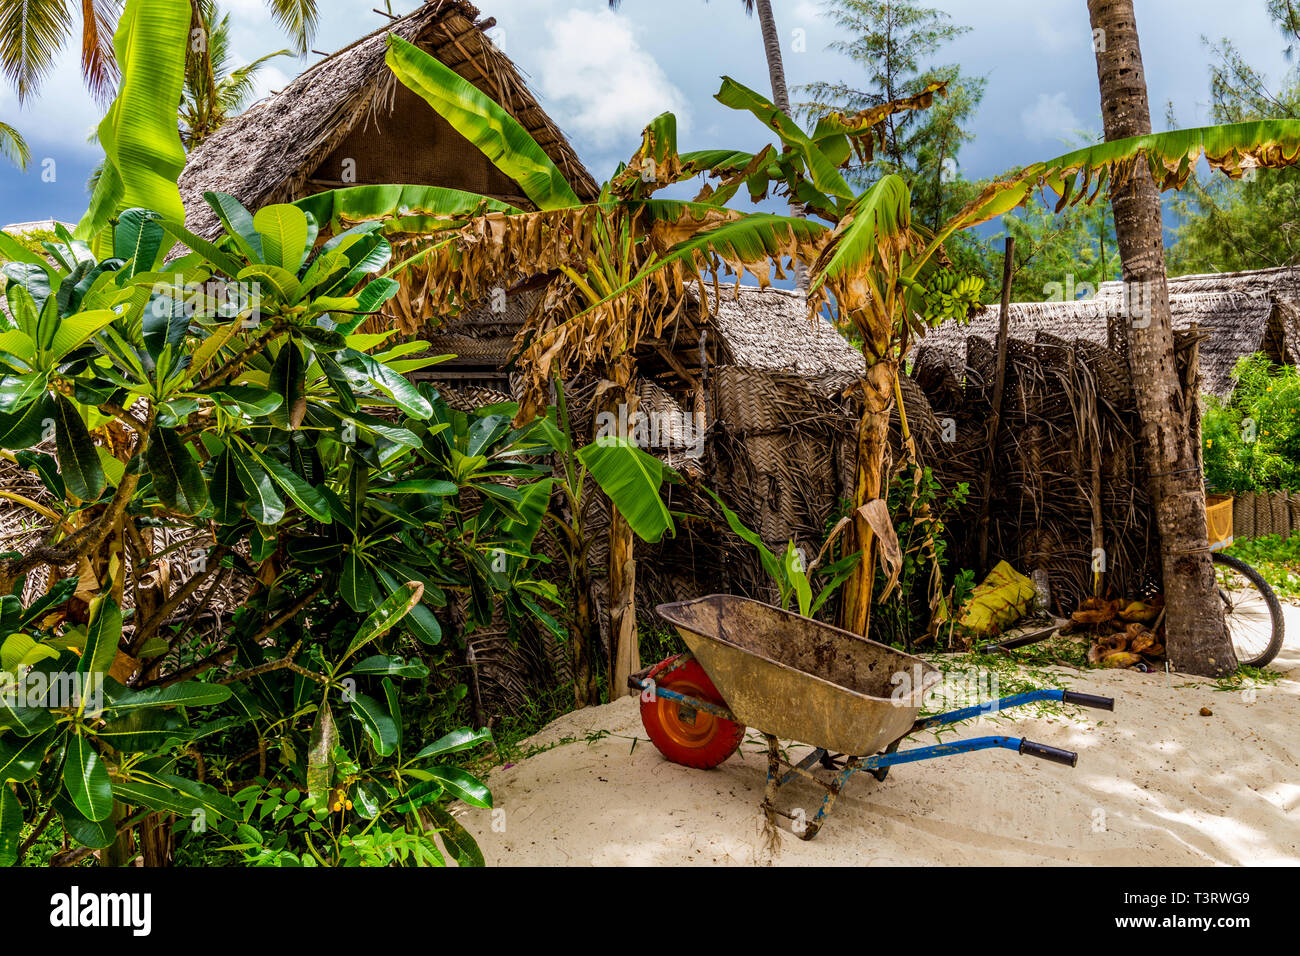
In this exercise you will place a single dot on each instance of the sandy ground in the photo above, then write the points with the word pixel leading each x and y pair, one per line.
pixel 1156 784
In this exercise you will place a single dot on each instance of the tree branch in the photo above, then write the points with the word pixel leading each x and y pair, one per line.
pixel 225 654
pixel 150 627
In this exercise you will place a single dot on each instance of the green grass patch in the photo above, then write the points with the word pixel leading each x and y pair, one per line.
pixel 1247 677
pixel 1277 559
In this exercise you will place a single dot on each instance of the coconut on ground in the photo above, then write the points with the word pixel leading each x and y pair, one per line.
pixel 1156 784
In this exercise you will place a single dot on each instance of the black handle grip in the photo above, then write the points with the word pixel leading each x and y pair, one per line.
pixel 1054 754
pixel 1089 700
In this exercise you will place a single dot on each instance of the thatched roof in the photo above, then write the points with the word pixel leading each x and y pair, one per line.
pixel 769 330
pixel 350 106
pixel 41 225
pixel 1283 282
pixel 1242 312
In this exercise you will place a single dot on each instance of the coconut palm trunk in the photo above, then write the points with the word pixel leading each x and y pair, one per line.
pixel 1195 637
pixel 781 97
pixel 772 48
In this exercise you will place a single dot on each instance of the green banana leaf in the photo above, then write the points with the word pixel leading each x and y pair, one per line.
pixel 631 479
pixel 404 209
pixel 877 226
pixel 820 167
pixel 141 141
pixel 475 116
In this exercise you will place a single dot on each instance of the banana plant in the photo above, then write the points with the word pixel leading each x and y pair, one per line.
pixel 882 273
pixel 632 481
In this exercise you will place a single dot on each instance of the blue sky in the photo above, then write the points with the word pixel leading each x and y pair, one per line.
pixel 602 75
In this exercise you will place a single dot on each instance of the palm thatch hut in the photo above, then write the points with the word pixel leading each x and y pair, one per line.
pixel 1240 313
pixel 348 121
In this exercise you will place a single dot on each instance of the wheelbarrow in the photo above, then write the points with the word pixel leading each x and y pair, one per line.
pixel 853 700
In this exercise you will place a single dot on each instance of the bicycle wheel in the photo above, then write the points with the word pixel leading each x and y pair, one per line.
pixel 1250 610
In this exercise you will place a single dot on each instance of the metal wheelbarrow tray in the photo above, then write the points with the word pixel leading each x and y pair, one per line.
pixel 853 700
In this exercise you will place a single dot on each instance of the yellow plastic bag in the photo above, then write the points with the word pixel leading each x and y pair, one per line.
pixel 1002 599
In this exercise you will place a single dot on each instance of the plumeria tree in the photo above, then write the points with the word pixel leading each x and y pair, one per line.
pixel 220 430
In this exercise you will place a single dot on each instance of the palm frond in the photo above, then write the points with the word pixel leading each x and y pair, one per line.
pixel 13 147
pixel 299 19
pixel 98 64
pixel 238 86
pixel 32 32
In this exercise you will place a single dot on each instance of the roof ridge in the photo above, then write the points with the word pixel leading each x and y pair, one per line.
pixel 763 290
pixel 471 11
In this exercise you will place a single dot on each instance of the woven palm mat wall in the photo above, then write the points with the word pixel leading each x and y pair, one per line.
pixel 781 456
pixel 504 668
pixel 1068 439
pixel 778 449
pixel 1256 515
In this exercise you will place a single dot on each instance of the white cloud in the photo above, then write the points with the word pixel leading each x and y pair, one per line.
pixel 808 10
pixel 1050 118
pixel 598 81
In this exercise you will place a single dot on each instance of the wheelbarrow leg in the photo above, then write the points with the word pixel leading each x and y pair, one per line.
pixel 800 825
pixel 774 777
pixel 880 773
pixel 833 789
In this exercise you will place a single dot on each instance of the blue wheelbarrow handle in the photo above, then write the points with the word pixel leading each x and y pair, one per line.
pixel 1015 700
pixel 1028 748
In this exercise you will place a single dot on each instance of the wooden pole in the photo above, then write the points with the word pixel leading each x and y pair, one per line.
pixel 995 419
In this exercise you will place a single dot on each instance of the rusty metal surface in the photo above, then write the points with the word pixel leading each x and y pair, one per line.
pixel 800 679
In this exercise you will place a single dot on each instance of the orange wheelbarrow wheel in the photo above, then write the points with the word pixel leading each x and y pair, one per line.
pixel 691 738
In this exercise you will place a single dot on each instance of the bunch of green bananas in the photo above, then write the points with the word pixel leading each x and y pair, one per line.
pixel 950 295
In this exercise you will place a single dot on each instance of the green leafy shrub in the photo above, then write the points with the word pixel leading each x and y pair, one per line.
pixel 253 434
pixel 918 504
pixel 1252 442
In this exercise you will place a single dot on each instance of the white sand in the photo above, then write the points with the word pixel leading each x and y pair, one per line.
pixel 1156 784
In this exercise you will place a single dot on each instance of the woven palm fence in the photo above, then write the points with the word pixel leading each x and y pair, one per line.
pixel 1068 494
pixel 1257 515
